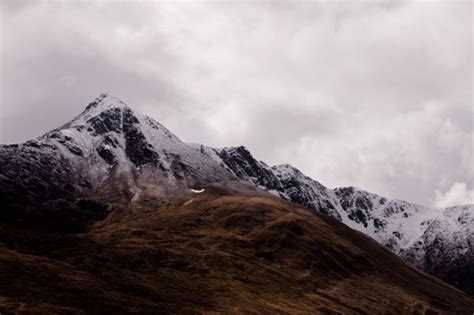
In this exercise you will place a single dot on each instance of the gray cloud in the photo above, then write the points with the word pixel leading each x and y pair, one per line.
pixel 374 94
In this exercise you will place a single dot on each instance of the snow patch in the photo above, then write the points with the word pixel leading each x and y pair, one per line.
pixel 136 195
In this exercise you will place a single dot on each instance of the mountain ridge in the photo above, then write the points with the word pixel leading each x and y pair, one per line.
pixel 109 148
pixel 399 225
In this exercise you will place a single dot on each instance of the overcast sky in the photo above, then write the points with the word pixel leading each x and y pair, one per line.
pixel 377 95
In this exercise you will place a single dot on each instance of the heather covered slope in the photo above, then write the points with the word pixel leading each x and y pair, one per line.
pixel 439 241
pixel 230 249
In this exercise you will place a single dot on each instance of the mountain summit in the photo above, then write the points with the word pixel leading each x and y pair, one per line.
pixel 107 147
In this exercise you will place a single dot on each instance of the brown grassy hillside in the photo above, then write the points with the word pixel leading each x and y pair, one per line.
pixel 229 249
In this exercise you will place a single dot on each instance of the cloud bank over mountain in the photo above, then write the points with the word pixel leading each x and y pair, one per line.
pixel 458 194
pixel 375 95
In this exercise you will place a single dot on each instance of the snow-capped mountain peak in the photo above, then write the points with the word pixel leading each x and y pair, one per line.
pixel 109 146
pixel 105 101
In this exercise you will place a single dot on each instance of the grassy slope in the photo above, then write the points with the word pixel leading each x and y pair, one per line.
pixel 223 250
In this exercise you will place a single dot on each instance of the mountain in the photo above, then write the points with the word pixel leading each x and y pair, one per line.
pixel 113 201
pixel 107 153
pixel 438 241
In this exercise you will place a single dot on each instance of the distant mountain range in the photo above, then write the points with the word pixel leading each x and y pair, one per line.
pixel 111 156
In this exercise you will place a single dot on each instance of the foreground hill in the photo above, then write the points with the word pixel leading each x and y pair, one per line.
pixel 229 249
pixel 439 241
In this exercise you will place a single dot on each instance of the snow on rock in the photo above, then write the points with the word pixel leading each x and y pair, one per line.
pixel 106 148
pixel 448 236
pixel 197 191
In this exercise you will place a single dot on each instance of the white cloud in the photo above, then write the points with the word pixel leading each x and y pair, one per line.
pixel 374 94
pixel 458 194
